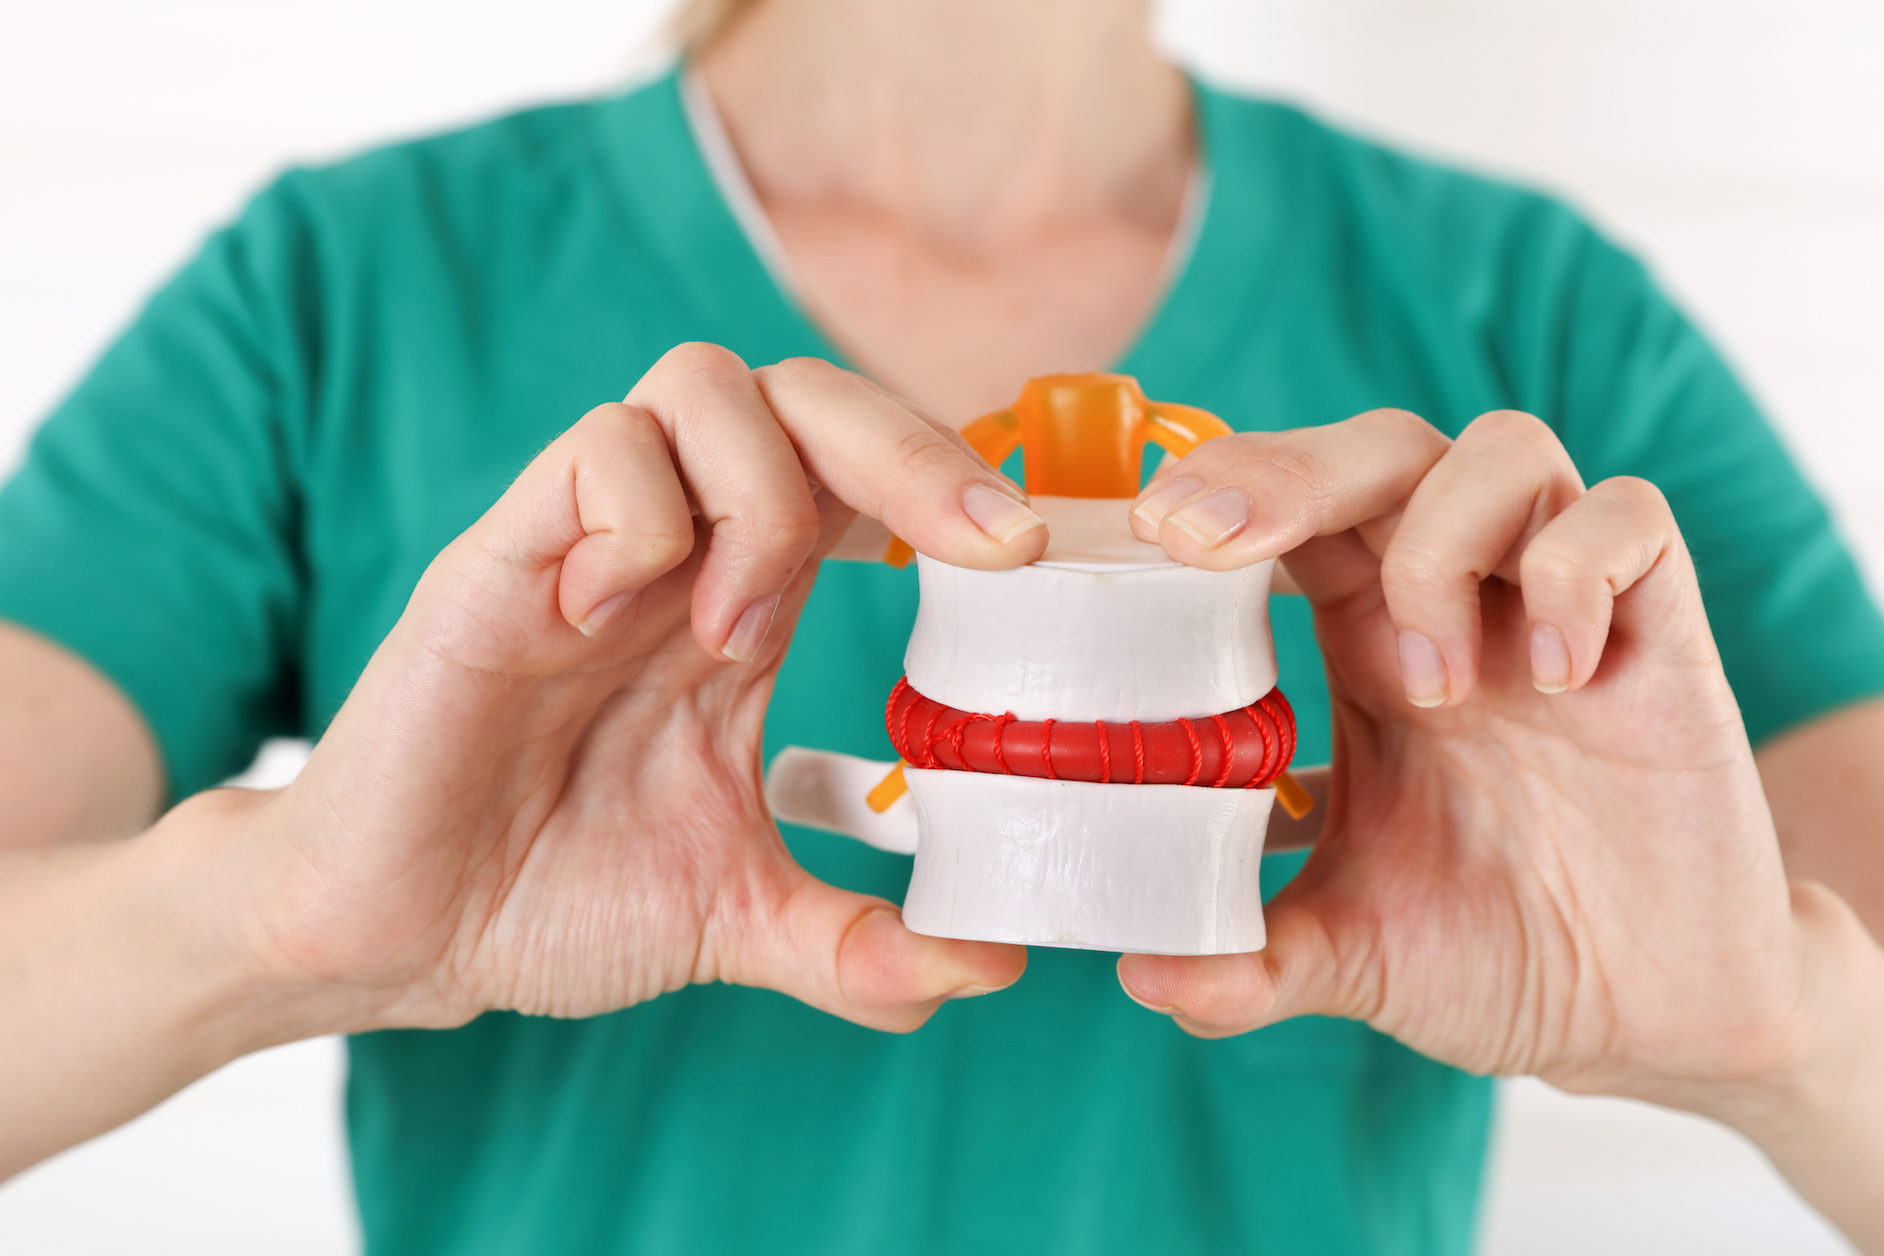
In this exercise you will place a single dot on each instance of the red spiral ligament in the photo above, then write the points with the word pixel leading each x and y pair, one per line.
pixel 1270 745
pixel 1252 747
pixel 1197 751
pixel 889 709
pixel 1229 752
pixel 928 736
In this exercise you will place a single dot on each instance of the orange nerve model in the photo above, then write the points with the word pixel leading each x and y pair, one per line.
pixel 1082 436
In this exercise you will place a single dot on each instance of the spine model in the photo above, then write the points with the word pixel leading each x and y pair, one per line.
pixel 1092 742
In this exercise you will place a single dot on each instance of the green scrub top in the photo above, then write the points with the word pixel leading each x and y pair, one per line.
pixel 230 511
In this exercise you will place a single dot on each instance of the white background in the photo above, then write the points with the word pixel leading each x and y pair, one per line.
pixel 1738 144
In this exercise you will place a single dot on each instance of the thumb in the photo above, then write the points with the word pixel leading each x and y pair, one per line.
pixel 1299 973
pixel 850 955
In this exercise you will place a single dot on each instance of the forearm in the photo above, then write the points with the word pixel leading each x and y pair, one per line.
pixel 77 761
pixel 124 976
pixel 1825 784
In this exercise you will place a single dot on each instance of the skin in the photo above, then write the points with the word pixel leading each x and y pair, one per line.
pixel 77 762
pixel 1501 880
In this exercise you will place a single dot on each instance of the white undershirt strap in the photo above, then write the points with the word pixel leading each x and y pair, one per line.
pixel 716 147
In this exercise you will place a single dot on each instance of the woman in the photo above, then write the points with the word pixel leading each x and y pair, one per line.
pixel 1547 850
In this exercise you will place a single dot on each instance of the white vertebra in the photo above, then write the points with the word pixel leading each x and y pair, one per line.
pixel 1159 869
pixel 1102 627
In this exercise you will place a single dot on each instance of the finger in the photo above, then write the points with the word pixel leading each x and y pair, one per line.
pixel 1214 996
pixel 894 464
pixel 633 512
pixel 850 955
pixel 600 513
pixel 1620 536
pixel 1505 477
pixel 741 470
pixel 1239 499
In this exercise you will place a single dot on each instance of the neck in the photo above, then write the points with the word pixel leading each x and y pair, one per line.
pixel 975 124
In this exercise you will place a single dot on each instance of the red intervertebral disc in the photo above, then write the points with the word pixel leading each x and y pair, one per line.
pixel 1242 749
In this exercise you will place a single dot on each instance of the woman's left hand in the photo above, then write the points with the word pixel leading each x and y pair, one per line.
pixel 1546 848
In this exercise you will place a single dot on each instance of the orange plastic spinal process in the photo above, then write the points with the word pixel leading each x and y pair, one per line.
pixel 1082 436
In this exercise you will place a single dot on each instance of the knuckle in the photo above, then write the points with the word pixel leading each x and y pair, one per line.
pixel 690 375
pixel 1639 495
pixel 796 372
pixel 1243 443
pixel 606 414
pixel 787 525
pixel 693 356
pixel 662 543
pixel 1293 461
pixel 1524 443
pixel 1408 425
pixel 1296 462
pixel 922 450
pixel 1511 425
pixel 1546 561
pixel 794 528
pixel 1410 571
pixel 1517 434
pixel 1238 456
pixel 618 422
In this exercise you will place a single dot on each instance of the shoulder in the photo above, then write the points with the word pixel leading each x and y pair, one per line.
pixel 517 160
pixel 495 178
pixel 1502 288
pixel 1361 179
pixel 1408 217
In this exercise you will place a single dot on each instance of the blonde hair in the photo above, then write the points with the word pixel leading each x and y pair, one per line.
pixel 697 23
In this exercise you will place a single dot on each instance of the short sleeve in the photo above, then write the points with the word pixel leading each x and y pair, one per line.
pixel 152 527
pixel 1634 389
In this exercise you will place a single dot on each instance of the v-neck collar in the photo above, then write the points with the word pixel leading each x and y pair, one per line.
pixel 729 176
pixel 652 158
pixel 649 159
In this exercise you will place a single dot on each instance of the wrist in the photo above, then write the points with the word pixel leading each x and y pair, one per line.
pixel 211 878
pixel 125 976
pixel 1819 1115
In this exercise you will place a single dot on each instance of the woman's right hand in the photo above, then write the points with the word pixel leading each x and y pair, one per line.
pixel 544 793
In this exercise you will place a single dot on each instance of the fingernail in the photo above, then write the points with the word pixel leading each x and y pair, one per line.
pixel 1215 519
pixel 1154 508
pixel 603 615
pixel 997 514
pixel 1422 671
pixel 1160 1009
pixel 749 633
pixel 971 992
pixel 1550 660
